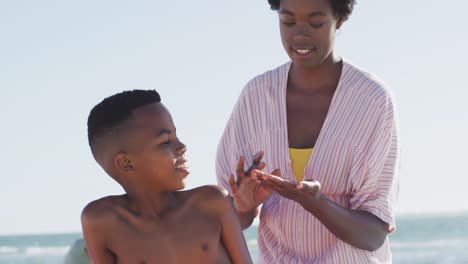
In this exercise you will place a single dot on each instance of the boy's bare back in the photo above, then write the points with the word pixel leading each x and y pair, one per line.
pixel 188 233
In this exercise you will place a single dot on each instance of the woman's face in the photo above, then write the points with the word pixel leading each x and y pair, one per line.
pixel 307 30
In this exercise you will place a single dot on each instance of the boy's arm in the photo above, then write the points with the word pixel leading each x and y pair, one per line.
pixel 231 232
pixel 95 237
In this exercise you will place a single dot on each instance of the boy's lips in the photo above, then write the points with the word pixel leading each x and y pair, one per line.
pixel 181 164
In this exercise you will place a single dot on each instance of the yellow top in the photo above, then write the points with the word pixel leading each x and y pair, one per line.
pixel 299 159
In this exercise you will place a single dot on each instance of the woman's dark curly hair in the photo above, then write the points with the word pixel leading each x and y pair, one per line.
pixel 342 8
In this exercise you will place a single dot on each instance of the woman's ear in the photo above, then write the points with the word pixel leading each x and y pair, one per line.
pixel 123 162
pixel 339 22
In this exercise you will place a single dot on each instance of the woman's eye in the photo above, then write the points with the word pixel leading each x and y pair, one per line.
pixel 317 25
pixel 166 142
pixel 288 23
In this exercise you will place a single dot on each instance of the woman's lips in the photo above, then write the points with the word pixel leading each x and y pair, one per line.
pixel 302 51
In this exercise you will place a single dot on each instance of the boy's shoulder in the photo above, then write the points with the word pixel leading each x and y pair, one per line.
pixel 206 192
pixel 102 209
pixel 208 197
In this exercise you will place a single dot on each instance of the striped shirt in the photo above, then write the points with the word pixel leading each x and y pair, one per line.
pixel 355 159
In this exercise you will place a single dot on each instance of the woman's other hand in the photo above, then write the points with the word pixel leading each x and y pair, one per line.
pixel 298 192
pixel 248 193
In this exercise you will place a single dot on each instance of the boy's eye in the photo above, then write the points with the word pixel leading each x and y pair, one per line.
pixel 167 142
pixel 288 23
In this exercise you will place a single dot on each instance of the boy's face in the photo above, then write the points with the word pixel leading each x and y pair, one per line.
pixel 155 152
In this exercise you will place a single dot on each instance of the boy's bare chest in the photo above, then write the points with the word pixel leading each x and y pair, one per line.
pixel 180 239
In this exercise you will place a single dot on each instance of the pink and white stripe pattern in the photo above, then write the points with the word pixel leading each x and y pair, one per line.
pixel 355 159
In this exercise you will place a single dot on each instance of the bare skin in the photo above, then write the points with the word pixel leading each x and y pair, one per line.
pixel 308 33
pixel 154 222
pixel 200 227
pixel 245 190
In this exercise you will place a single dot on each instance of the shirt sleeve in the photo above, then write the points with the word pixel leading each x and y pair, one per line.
pixel 236 137
pixel 226 154
pixel 375 173
pixel 230 145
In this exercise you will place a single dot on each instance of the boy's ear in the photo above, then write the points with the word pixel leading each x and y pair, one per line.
pixel 123 162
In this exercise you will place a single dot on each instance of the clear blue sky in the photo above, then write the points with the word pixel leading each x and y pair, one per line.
pixel 59 58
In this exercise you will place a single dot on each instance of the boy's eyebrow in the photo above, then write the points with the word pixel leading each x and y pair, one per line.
pixel 165 131
pixel 315 13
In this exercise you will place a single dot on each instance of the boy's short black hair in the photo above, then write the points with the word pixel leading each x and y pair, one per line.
pixel 341 8
pixel 114 110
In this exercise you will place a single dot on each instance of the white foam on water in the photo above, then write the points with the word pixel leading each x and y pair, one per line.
pixel 256 222
pixel 47 251
pixel 444 243
pixel 9 250
pixel 252 242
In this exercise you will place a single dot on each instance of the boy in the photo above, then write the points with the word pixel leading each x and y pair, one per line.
pixel 133 138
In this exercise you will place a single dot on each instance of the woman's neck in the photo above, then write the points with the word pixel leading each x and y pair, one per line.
pixel 320 78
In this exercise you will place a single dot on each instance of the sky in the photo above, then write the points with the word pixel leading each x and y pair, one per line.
pixel 60 58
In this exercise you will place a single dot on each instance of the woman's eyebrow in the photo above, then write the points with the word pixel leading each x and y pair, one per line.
pixel 313 14
pixel 317 13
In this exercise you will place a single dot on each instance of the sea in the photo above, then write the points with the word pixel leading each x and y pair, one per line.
pixel 418 239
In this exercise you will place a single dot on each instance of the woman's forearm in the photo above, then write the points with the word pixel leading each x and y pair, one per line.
pixel 360 229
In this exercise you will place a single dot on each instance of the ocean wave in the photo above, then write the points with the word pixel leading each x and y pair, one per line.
pixel 444 243
pixel 8 250
pixel 252 242
pixel 46 251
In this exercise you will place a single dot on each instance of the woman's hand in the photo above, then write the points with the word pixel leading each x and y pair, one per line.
pixel 298 192
pixel 358 228
pixel 248 193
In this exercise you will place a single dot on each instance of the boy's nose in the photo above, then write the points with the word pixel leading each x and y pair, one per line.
pixel 181 148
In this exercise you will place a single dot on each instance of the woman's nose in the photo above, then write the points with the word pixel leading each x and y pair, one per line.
pixel 300 33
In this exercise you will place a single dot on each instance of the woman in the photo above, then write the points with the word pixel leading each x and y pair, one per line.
pixel 328 132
